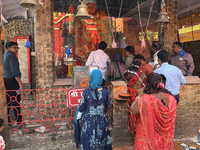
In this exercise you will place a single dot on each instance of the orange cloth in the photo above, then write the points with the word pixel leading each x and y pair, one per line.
pixel 148 68
pixel 156 125
pixel 2 34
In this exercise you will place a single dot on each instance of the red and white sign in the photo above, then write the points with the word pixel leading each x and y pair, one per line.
pixel 74 97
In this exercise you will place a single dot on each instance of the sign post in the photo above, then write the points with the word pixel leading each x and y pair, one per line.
pixel 74 97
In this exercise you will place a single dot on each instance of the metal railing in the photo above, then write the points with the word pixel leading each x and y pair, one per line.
pixel 41 111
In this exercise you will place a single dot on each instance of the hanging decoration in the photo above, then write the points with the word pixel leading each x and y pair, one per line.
pixel 1 11
pixel 82 11
pixel 182 52
pixel 143 43
pixel 162 16
pixel 31 4
pixel 114 45
pixel 28 43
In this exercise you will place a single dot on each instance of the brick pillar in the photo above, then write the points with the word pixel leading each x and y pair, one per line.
pixel 119 133
pixel 168 35
pixel 44 46
pixel 3 104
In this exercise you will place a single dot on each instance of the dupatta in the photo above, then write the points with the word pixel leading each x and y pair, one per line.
pixel 158 122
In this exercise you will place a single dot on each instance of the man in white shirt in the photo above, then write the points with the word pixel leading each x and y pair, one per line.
pixel 99 58
pixel 154 49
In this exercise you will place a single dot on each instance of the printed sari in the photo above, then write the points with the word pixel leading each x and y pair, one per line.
pixel 156 125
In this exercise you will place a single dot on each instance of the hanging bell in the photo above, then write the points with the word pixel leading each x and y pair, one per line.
pixel 31 4
pixel 162 18
pixel 82 12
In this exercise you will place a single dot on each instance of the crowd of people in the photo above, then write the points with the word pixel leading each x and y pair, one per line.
pixel 158 83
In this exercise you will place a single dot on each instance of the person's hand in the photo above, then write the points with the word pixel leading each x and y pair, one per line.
pixel 141 91
pixel 79 121
pixel 22 86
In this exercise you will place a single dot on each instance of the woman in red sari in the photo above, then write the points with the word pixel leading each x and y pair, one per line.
pixel 157 114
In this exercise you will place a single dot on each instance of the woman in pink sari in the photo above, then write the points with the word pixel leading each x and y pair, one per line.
pixel 157 113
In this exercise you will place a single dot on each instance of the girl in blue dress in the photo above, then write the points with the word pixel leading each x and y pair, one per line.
pixel 95 133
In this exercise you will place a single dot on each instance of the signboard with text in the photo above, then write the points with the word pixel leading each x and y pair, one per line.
pixel 74 97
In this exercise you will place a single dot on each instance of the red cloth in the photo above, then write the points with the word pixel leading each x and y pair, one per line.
pixel 148 68
pixel 156 125
pixel 132 118
pixel 136 79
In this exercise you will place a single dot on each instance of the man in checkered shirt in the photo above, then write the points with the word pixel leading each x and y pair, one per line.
pixel 99 58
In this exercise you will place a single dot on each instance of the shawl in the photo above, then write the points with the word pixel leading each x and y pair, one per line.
pixel 135 77
pixel 156 130
pixel 95 79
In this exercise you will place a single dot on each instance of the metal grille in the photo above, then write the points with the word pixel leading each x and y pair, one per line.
pixel 42 111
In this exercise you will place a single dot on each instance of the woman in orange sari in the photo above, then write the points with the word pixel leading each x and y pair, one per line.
pixel 157 113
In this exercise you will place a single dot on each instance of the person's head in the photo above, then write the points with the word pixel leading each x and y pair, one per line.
pixel 154 81
pixel 13 47
pixel 102 45
pixel 130 50
pixel 96 79
pixel 140 57
pixel 136 65
pixel 117 57
pixel 92 7
pixel 156 46
pixel 1 124
pixel 163 78
pixel 176 48
pixel 163 56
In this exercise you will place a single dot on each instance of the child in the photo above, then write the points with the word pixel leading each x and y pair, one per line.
pixel 2 143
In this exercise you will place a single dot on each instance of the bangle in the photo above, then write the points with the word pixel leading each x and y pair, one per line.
pixel 137 97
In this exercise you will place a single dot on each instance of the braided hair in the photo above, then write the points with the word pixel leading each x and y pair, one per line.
pixel 96 94
pixel 154 80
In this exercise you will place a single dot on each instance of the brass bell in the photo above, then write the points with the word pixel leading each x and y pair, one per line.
pixel 31 4
pixel 82 11
pixel 162 18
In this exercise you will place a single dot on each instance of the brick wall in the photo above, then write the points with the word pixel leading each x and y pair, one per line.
pixel 130 34
pixel 188 119
pixel 119 133
pixel 15 28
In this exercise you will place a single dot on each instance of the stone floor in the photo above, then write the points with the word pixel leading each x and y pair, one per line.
pixel 181 144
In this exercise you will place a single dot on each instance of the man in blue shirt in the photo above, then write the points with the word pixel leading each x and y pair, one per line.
pixel 174 76
pixel 12 79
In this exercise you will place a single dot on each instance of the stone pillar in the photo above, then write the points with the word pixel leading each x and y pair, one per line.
pixel 119 133
pixel 44 46
pixel 168 33
pixel 3 104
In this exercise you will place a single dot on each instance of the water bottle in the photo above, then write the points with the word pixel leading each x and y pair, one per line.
pixel 18 91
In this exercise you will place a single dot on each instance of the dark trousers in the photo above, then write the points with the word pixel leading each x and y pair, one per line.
pixel 103 83
pixel 13 99
pixel 177 98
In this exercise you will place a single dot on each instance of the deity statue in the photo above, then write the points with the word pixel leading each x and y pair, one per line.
pixel 89 32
